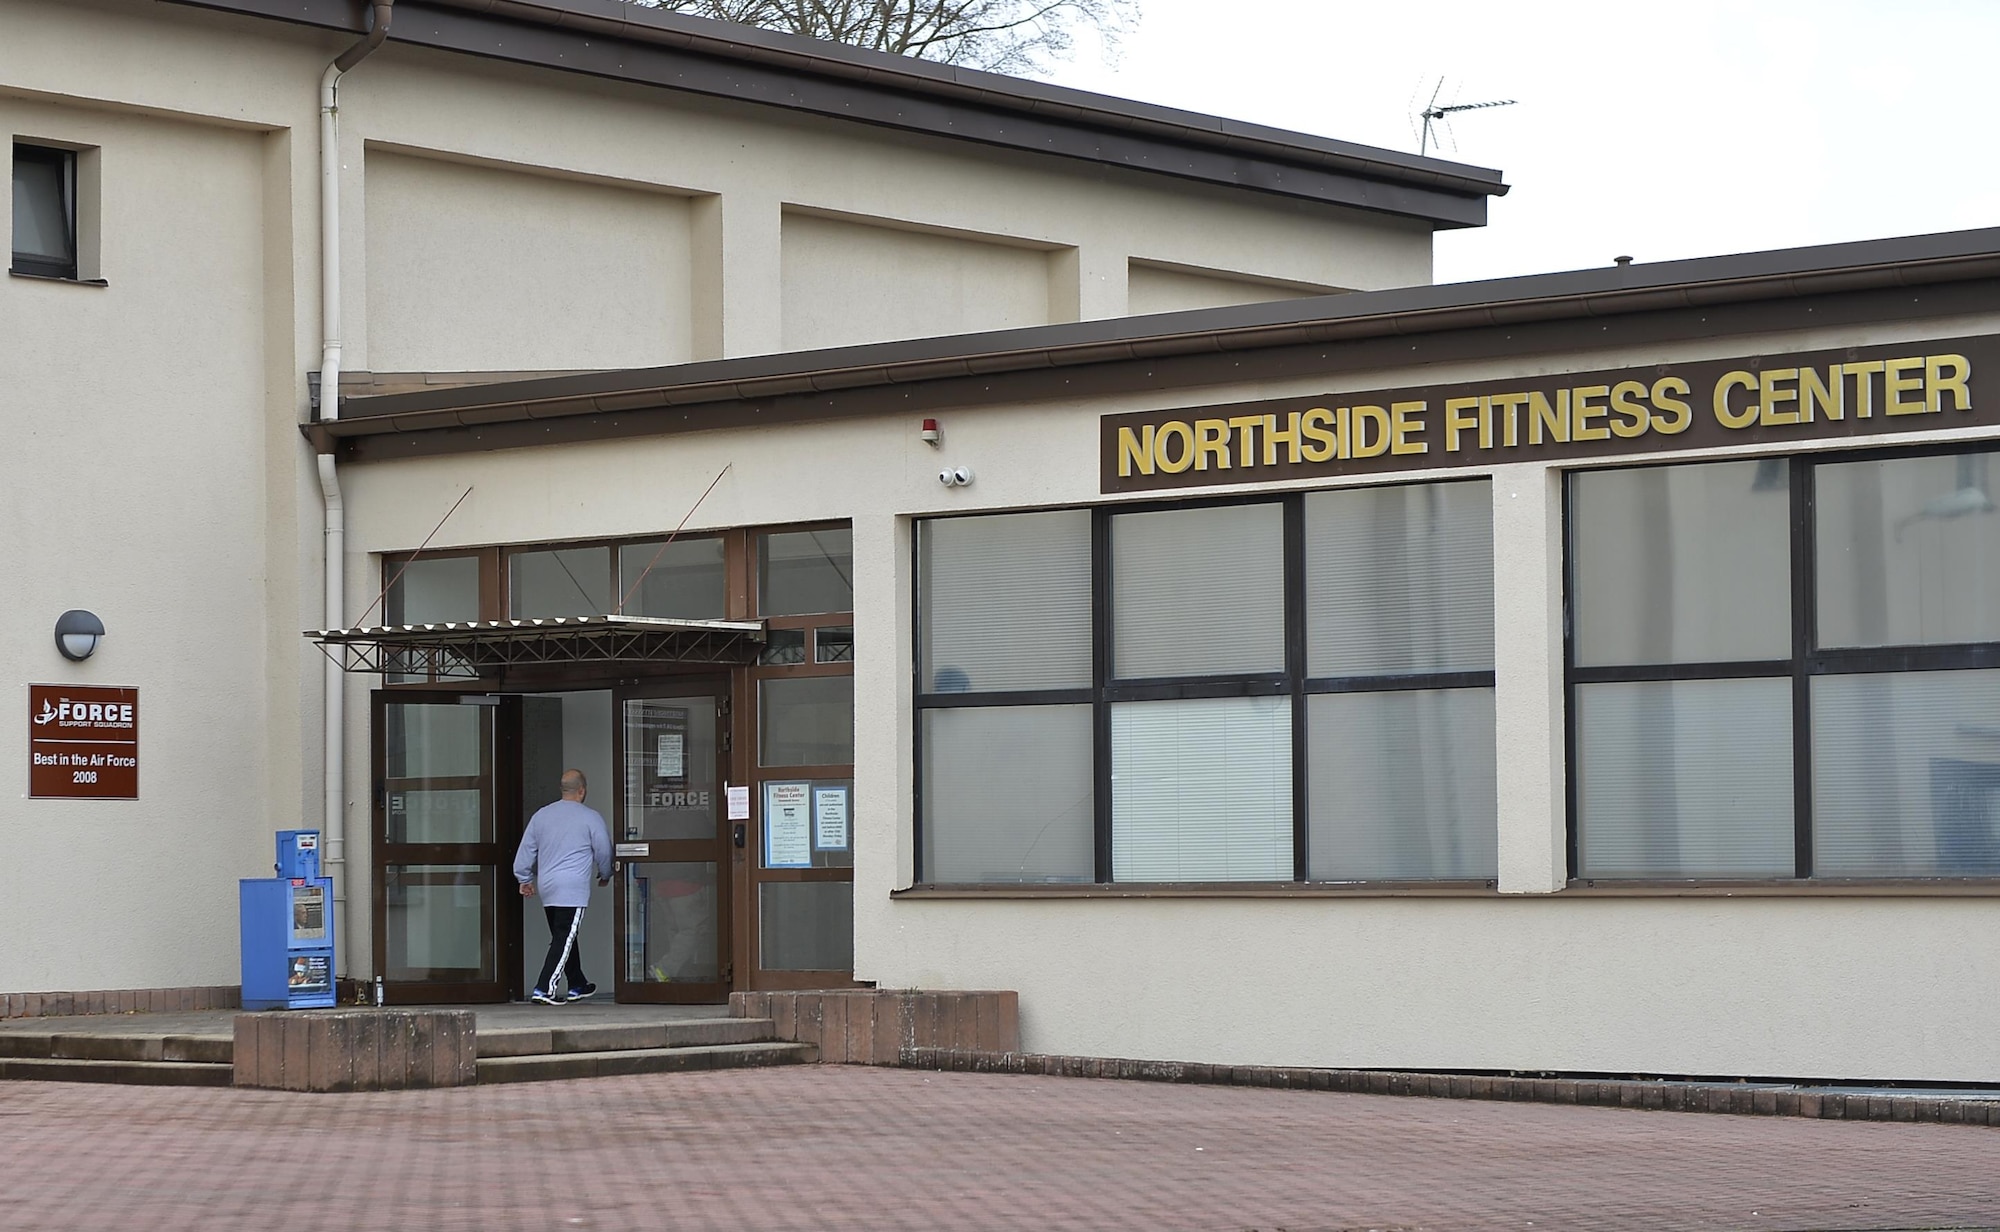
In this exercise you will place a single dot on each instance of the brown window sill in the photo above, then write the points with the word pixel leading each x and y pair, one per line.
pixel 1915 887
pixel 1885 887
pixel 1206 889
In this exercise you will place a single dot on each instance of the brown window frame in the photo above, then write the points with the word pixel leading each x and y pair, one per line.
pixel 1806 662
pixel 750 732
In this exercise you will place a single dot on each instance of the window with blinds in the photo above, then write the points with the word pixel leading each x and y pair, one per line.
pixel 1007 792
pixel 1202 790
pixel 1402 785
pixel 1784 669
pixel 1006 602
pixel 1399 580
pixel 1297 687
pixel 1198 592
pixel 1006 757
pixel 1399 663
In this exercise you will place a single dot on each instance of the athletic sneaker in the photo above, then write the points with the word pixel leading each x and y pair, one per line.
pixel 581 991
pixel 541 998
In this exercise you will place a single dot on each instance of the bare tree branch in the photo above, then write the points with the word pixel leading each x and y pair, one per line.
pixel 1006 36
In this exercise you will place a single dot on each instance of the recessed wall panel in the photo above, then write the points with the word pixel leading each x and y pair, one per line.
pixel 483 269
pixel 847 282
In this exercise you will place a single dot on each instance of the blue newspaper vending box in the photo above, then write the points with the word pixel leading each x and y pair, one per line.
pixel 287 927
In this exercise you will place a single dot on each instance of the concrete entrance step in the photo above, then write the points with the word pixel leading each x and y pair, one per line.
pixel 622 1036
pixel 513 1043
pixel 544 1067
pixel 135 1073
pixel 201 1049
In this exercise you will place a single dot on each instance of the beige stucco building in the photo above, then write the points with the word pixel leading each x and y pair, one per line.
pixel 1592 672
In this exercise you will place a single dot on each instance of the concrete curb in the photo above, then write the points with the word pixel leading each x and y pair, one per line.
pixel 1740 1099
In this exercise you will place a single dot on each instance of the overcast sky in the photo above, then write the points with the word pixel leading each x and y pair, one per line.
pixel 1660 130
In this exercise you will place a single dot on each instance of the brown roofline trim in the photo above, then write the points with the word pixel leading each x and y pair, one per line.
pixel 1406 312
pixel 997 90
pixel 1506 343
pixel 613 39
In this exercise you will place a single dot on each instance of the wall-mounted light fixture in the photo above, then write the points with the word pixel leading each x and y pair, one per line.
pixel 77 632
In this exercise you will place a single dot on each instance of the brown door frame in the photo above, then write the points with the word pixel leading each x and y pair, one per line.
pixel 751 974
pixel 718 849
pixel 738 845
pixel 500 944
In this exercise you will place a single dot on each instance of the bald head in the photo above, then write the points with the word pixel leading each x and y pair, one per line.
pixel 574 786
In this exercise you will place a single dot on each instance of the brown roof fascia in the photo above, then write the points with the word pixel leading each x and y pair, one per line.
pixel 1127 353
pixel 1503 347
pixel 995 90
pixel 614 39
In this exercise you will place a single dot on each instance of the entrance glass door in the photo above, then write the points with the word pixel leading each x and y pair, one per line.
pixel 437 849
pixel 673 851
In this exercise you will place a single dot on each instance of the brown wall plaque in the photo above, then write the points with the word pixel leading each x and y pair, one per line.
pixel 1876 392
pixel 83 742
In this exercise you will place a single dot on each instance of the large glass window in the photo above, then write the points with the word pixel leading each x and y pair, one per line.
pixel 1685 778
pixel 806 721
pixel 1906 778
pixel 431 590
pixel 806 925
pixel 986 821
pixel 1399 659
pixel 1681 564
pixel 559 582
pixel 1402 785
pixel 1004 665
pixel 806 572
pixel 1202 790
pixel 1198 592
pixel 1264 690
pixel 1909 552
pixel 423 590
pixel 1721 732
pixel 1399 580
pixel 680 580
pixel 1006 602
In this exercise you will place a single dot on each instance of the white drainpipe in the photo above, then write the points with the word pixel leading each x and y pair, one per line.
pixel 335 551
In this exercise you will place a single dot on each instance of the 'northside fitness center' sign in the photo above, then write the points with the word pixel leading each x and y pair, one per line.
pixel 1855 391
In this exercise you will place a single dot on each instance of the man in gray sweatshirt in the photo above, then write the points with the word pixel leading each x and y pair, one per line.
pixel 565 845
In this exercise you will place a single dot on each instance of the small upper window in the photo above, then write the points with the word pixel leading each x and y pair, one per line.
pixel 806 572
pixel 44 211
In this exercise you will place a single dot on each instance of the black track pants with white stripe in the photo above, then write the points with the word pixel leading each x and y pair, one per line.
pixel 565 940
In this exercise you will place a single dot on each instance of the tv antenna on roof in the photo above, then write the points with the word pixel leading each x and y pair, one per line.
pixel 1433 114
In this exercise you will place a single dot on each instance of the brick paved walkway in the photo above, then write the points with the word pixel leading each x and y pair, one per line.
pixel 839 1147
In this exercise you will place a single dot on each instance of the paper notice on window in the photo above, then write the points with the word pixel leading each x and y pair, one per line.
pixel 739 802
pixel 787 825
pixel 673 755
pixel 830 818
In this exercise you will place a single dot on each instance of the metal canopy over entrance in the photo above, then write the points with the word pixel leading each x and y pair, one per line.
pixel 470 650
